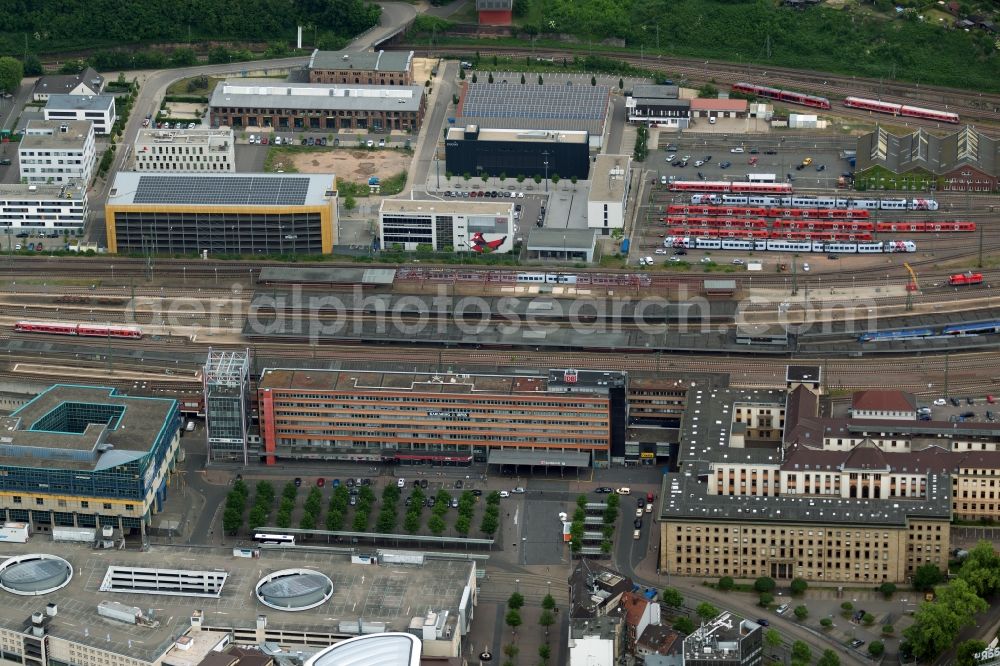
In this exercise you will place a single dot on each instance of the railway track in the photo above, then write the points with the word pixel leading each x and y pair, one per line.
pixel 971 106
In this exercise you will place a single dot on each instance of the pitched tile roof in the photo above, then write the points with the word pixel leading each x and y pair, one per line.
pixel 884 401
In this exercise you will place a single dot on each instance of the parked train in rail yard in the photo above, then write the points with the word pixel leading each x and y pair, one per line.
pixel 783 245
pixel 816 202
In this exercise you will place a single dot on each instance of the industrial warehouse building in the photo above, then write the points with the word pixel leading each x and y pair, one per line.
pixel 965 161
pixel 560 104
pixel 243 103
pixel 447 226
pixel 57 152
pixel 567 418
pixel 194 150
pixel 610 182
pixel 82 456
pixel 393 68
pixel 491 152
pixel 45 208
pixel 495 12
pixel 246 214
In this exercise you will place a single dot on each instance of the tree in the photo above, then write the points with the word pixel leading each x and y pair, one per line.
pixel 548 602
pixel 772 639
pixel 846 608
pixel 539 79
pixel 544 652
pixel 708 90
pixel 764 584
pixel 887 590
pixel 621 84
pixel 965 655
pixel 801 652
pixel 981 569
pixel 684 625
pixel 511 651
pixel 826 623
pixel 936 624
pixel 515 601
pixel 554 178
pixel 868 619
pixel 462 525
pixel 766 599
pixel 231 520
pixel 801 613
pixel 513 620
pixel 726 583
pixel 926 577
pixel 876 649
pixel 829 658
pixel 475 78
pixel 522 79
pixel 11 73
pixel 799 586
pixel 888 630
pixel 706 611
pixel 350 203
pixel 436 524
pixel 593 80
pixel 546 620
pixel 461 74
pixel 33 66
pixel 672 598
pixel 490 78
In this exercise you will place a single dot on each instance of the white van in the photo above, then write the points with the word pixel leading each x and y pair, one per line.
pixel 624 491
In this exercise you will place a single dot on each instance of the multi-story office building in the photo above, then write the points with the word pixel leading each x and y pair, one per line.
pixel 85 456
pixel 227 405
pixel 393 68
pixel 214 213
pixel 98 109
pixel 57 152
pixel 726 640
pixel 192 150
pixel 49 208
pixel 447 226
pixel 565 419
pixel 315 106
pixel 491 152
pixel 610 182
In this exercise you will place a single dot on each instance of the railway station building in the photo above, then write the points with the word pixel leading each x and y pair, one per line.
pixel 492 152
pixel 215 213
pixel 381 68
pixel 965 161
pixel 84 456
pixel 482 227
pixel 248 103
pixel 658 106
pixel 59 209
pixel 565 418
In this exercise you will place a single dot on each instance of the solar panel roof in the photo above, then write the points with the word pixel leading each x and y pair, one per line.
pixel 233 191
pixel 513 100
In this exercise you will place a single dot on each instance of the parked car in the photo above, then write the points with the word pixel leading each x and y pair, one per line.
pixel 638 513
pixel 458 483
pixel 624 491
pixel 504 493
pixel 298 482
pixel 423 484
pixel 477 492
pixel 856 643
pixel 636 534
pixel 370 143
pixel 350 483
pixel 762 622
pixel 991 400
pixel 454 502
pixel 637 523
pixel 335 483
pixel 320 482
pixel 604 490
pixel 954 402
pixel 518 491
pixel 401 483
pixel 736 150
pixel 354 500
pixel 381 143
pixel 782 609
pixel 725 165
pixel 940 402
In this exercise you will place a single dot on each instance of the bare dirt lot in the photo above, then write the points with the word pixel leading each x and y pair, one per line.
pixel 352 164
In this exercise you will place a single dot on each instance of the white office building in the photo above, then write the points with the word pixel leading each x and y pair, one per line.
pixel 194 150
pixel 99 109
pixel 610 180
pixel 447 226
pixel 57 152
pixel 45 208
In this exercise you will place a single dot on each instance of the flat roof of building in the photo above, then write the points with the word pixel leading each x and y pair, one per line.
pixel 718 638
pixel 379 61
pixel 710 104
pixel 184 137
pixel 519 135
pixel 803 373
pixel 334 380
pixel 444 207
pixel 222 189
pixel 16 192
pixel 556 101
pixel 317 275
pixel 685 497
pixel 118 429
pixel 559 239
pixel 49 134
pixel 250 93
pixel 607 178
pixel 81 102
pixel 393 594
pixel 661 92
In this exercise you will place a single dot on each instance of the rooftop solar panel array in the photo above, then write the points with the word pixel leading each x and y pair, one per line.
pixel 228 191
pixel 513 100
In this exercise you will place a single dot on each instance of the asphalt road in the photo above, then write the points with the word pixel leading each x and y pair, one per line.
pixel 431 131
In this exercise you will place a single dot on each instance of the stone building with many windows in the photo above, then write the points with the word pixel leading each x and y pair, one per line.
pixel 381 68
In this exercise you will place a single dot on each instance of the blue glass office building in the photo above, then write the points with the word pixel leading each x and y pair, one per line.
pixel 86 456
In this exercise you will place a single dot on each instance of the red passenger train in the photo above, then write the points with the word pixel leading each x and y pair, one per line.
pixel 731 211
pixel 747 223
pixel 832 225
pixel 900 109
pixel 820 213
pixel 783 95
pixel 86 330
pixel 927 227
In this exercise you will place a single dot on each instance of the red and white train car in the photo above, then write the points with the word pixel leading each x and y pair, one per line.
pixel 783 95
pixel 927 227
pixel 901 109
pixel 87 330
pixel 824 225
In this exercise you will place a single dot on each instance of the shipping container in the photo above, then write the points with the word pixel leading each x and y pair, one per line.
pixel 77 534
pixel 14 532
pixel 625 245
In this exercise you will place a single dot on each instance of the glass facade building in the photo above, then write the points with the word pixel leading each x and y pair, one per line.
pixel 227 405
